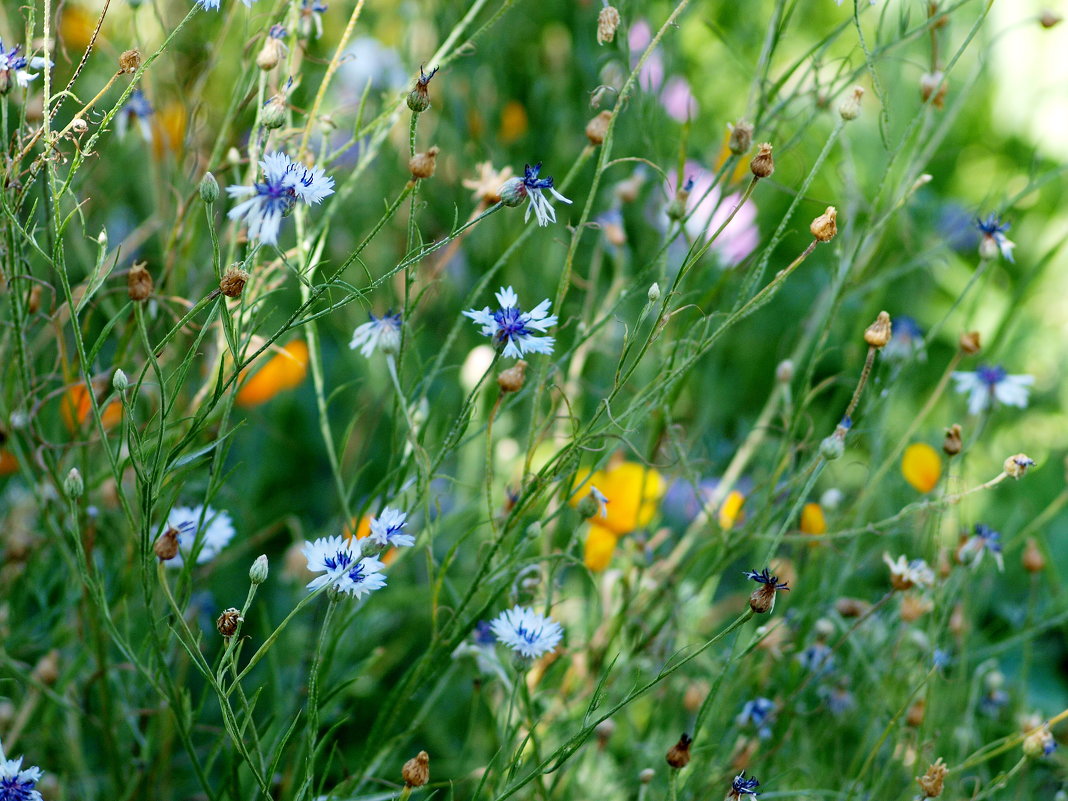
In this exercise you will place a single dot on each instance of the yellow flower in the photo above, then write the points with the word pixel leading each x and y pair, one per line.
pixel 730 511
pixel 600 544
pixel 813 521
pixel 633 493
pixel 77 406
pixel 921 466
pixel 285 370
pixel 513 122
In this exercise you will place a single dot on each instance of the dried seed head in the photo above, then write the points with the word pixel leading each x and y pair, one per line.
pixel 1033 560
pixel 851 607
pixel 741 138
pixel 166 546
pixel 878 333
pixel 1017 464
pixel 933 87
pixel 46 670
pixel 970 342
pixel 597 128
pixel 228 622
pixel 78 126
pixel 763 164
pixel 607 23
pixel 913 607
pixel 422 165
pixel 958 624
pixel 931 781
pixel 512 379
pixel 914 716
pixel 270 54
pixel 825 226
pixel 1047 19
pixel 34 304
pixel 233 282
pixel 416 771
pixel 953 444
pixel 419 99
pixel 679 754
pixel 129 61
pixel 850 108
pixel 139 282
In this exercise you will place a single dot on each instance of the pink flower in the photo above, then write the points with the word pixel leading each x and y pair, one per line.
pixel 740 237
pixel 678 100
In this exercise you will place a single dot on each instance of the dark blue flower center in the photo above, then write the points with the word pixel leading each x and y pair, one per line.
pixel 357 574
pixel 992 225
pixel 278 197
pixel 341 559
pixel 529 636
pixel 531 179
pixel 510 324
pixel 991 376
pixel 14 789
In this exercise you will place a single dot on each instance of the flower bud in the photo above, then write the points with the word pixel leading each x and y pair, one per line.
pixel 274 113
pixel 604 731
pixel 166 547
pixel 119 381
pixel 850 108
pixel 419 99
pixel 763 164
pixel 512 379
pixel 597 128
pixel 416 771
pixel 933 87
pixel 233 281
pixel 784 372
pixel 952 444
pixel 879 333
pixel 679 754
pixel 513 192
pixel 257 574
pixel 209 188
pixel 654 292
pixel 46 670
pixel 422 165
pixel 228 622
pixel 646 776
pixel 129 61
pixel 138 282
pixel 607 23
pixel 1017 464
pixel 832 447
pixel 970 342
pixel 825 226
pixel 1033 560
pixel 270 54
pixel 741 138
pixel 73 484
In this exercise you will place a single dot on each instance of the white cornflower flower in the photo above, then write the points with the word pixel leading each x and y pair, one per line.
pixel 905 575
pixel 16 783
pixel 382 333
pixel 989 384
pixel 284 183
pixel 210 536
pixel 13 64
pixel 526 632
pixel 512 328
pixel 338 559
pixel 515 190
pixel 388 527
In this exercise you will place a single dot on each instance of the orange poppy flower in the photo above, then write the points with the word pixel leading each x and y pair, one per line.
pixel 285 370
pixel 77 406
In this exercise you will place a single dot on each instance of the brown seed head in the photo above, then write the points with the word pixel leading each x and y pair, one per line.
pixel 270 54
pixel 233 282
pixel 597 128
pixel 953 444
pixel 228 622
pixel 139 282
pixel 970 343
pixel 913 607
pixel 763 163
pixel 34 304
pixel 851 607
pixel 933 87
pixel 512 379
pixel 679 754
pixel 416 771
pixel 1033 560
pixel 741 138
pixel 931 781
pixel 46 670
pixel 1018 464
pixel 166 546
pixel 825 226
pixel 1047 19
pixel 607 23
pixel 915 714
pixel 422 165
pixel 129 61
pixel 878 333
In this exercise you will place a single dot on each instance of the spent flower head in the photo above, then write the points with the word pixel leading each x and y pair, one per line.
pixel 984 540
pixel 905 574
pixel 513 329
pixel 526 632
pixel 742 786
pixel 763 598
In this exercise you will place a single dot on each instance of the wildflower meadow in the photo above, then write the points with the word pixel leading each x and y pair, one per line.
pixel 497 399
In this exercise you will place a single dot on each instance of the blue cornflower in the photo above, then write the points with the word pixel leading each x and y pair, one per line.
pixel 388 528
pixel 339 560
pixel 940 659
pixel 516 190
pixel 215 533
pixel 16 783
pixel 993 239
pixel 137 110
pixel 284 183
pixel 382 333
pixel 817 658
pixel 984 539
pixel 484 633
pixel 213 5
pixel 741 786
pixel 907 341
pixel 526 632
pixel 512 328
pixel 993 383
pixel 839 699
pixel 760 713
pixel 14 65
pixel 311 16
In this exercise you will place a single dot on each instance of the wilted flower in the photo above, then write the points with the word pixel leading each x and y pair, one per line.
pixel 381 333
pixel 515 190
pixel 763 599
pixel 741 786
pixel 904 575
pixel 487 185
pixel 284 183
pixel 989 384
pixel 311 16
pixel 993 239
pixel 199 528
pixel 984 539
pixel 526 632
pixel 338 559
pixel 931 782
pixel 513 329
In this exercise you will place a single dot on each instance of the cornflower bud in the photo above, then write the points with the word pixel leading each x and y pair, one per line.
pixel 933 87
pixel 654 292
pixel 850 108
pixel 129 61
pixel 416 771
pixel 679 754
pixel 646 776
pixel 970 342
pixel 1017 464
pixel 763 164
pixel 419 99
pixel 832 447
pixel 916 713
pixel 119 381
pixel 138 282
pixel 257 574
pixel 604 731
pixel 34 304
pixel 953 444
pixel 73 484
pixel 607 23
pixel 209 188
pixel 274 113
pixel 741 138
pixel 273 49
pixel 46 670
pixel 1033 560
pixel 513 192
pixel 422 165
pixel 597 128
pixel 879 333
pixel 825 226
pixel 166 547
pixel 784 372
pixel 228 622
pixel 233 281
pixel 931 781
pixel 512 379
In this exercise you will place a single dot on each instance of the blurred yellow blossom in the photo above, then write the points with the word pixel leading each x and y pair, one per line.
pixel 600 543
pixel 513 122
pixel 730 511
pixel 632 492
pixel 285 370
pixel 812 520
pixel 921 466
